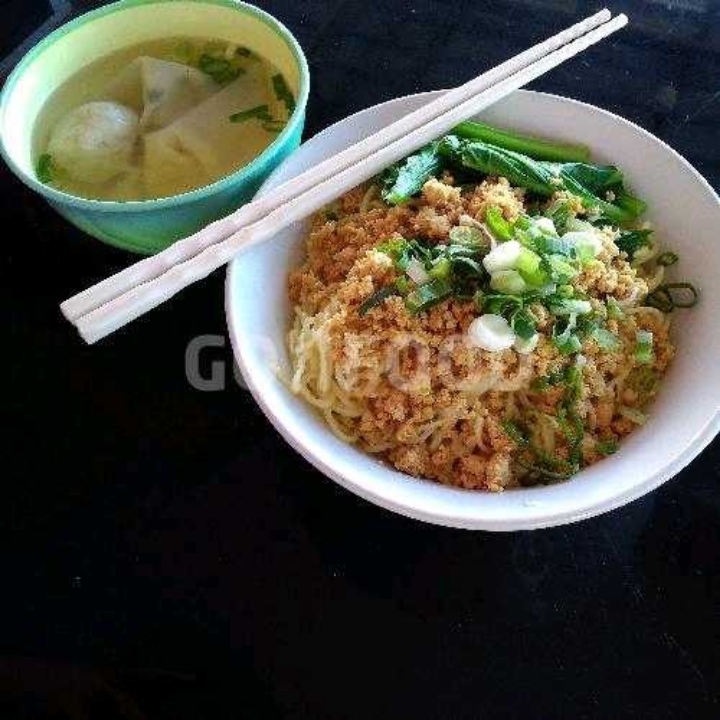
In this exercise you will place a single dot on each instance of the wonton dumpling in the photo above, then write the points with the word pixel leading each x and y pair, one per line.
pixel 160 90
pixel 204 145
pixel 94 142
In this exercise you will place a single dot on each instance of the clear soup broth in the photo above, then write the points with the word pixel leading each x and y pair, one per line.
pixel 158 119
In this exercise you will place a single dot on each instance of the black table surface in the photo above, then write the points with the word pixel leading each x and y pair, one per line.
pixel 164 554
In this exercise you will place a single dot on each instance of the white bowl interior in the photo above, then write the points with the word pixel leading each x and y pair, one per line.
pixel 684 418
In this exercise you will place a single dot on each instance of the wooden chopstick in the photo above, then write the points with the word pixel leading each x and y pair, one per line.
pixel 139 299
pixel 183 250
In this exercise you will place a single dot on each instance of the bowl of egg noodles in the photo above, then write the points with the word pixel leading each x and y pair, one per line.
pixel 514 327
pixel 145 120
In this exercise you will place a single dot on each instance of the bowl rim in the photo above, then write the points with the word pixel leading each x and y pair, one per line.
pixel 172 201
pixel 532 516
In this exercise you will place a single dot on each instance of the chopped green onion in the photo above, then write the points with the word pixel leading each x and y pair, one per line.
pixel 543 471
pixel 614 311
pixel 643 381
pixel 466 266
pixel 644 347
pixel 567 342
pixel 543 383
pixel 415 270
pixel 568 306
pixel 572 378
pixel 260 112
pixel 667 259
pixel 661 299
pixel 479 300
pixel 508 282
pixel 549 245
pixel 283 93
pixel 514 433
pixel 441 269
pixel 46 169
pixel 528 263
pixel 377 298
pixel 605 339
pixel 573 428
pixel 403 285
pixel 273 126
pixel 561 271
pixel 498 225
pixel 664 299
pixel 221 70
pixel 464 235
pixel 399 251
pixel 606 447
pixel 632 414
pixel 500 304
pixel 426 296
pixel 683 303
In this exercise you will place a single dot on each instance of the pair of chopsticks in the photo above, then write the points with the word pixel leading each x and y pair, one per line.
pixel 116 301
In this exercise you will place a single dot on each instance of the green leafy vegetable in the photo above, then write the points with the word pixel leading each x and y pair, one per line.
pixel 283 92
pixel 260 112
pixel 634 206
pixel 491 160
pixel 46 170
pixel 597 179
pixel 405 179
pixel 560 212
pixel 587 182
pixel 630 241
pixel 533 147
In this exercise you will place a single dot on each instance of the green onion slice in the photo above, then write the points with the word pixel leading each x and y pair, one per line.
pixel 377 298
pixel 426 296
pixel 667 259
pixel 669 296
pixel 644 347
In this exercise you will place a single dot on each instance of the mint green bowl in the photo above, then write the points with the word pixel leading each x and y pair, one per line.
pixel 150 225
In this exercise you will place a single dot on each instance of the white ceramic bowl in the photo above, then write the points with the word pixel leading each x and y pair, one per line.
pixel 684 418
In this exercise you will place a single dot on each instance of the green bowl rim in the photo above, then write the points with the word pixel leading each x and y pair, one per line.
pixel 200 193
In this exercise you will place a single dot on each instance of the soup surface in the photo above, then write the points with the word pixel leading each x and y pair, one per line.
pixel 160 118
